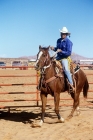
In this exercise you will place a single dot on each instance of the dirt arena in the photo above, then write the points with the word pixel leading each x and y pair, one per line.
pixel 17 124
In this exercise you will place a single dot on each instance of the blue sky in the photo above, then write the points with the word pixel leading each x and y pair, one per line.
pixel 26 24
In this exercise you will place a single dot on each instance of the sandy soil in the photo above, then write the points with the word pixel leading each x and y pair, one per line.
pixel 17 124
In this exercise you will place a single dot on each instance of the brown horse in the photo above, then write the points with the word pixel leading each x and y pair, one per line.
pixel 54 83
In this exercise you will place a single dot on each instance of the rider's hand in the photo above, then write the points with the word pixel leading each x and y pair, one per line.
pixel 52 48
pixel 59 50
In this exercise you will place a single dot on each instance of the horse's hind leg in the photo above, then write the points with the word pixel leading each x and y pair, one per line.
pixel 75 104
pixel 56 101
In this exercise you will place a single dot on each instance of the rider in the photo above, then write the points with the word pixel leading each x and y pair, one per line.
pixel 64 49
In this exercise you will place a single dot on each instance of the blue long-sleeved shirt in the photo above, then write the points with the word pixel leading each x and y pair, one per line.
pixel 66 46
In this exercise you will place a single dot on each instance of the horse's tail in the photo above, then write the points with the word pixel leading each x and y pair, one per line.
pixel 85 88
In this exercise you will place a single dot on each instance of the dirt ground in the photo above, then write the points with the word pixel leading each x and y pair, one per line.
pixel 16 125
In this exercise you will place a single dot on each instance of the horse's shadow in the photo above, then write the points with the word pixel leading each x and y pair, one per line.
pixel 22 116
pixel 26 116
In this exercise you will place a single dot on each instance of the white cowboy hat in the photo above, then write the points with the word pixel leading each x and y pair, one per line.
pixel 64 30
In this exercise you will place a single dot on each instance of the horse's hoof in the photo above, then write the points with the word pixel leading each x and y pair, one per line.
pixel 78 113
pixel 34 124
pixel 69 117
pixel 61 120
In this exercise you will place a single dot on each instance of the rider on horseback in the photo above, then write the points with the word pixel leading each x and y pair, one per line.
pixel 64 49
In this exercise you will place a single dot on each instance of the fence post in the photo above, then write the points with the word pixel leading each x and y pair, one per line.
pixel 37 95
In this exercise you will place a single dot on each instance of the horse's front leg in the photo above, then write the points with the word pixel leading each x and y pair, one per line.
pixel 44 101
pixel 56 101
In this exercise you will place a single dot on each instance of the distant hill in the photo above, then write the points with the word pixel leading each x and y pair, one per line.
pixel 77 57
pixel 74 56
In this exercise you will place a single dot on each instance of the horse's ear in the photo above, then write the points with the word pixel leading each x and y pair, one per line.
pixel 39 47
pixel 48 47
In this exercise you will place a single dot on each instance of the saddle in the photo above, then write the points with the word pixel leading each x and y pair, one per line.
pixel 73 69
pixel 73 66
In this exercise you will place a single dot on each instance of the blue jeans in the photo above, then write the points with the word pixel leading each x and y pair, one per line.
pixel 65 65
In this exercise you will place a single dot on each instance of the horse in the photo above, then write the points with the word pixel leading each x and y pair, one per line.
pixel 54 83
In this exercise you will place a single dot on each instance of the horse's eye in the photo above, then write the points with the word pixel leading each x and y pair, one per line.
pixel 44 55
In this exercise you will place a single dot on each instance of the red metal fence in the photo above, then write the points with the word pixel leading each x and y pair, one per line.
pixel 36 100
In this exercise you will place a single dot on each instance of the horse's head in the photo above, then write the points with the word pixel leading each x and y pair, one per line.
pixel 43 58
